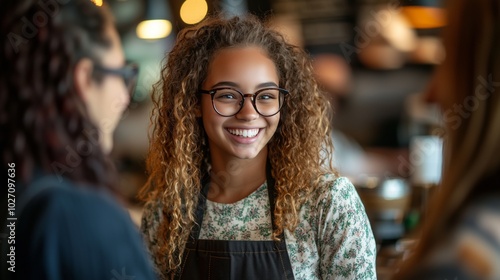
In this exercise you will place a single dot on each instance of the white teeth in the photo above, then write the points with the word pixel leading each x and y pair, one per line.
pixel 248 133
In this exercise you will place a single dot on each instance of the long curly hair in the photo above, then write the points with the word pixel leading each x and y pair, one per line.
pixel 44 122
pixel 178 152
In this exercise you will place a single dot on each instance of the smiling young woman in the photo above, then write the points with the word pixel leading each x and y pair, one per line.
pixel 238 188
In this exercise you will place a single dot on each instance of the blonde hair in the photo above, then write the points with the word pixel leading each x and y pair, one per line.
pixel 178 153
pixel 472 143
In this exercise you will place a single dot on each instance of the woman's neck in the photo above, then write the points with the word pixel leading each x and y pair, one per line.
pixel 234 179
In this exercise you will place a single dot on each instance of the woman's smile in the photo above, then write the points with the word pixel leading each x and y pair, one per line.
pixel 244 132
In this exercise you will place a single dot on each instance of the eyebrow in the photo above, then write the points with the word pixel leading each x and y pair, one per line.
pixel 232 84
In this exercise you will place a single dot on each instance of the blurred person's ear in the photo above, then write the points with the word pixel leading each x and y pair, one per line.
pixel 82 77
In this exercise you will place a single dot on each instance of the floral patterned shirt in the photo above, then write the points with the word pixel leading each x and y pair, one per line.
pixel 333 239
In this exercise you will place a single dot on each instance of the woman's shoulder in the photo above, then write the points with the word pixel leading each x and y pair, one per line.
pixel 66 202
pixel 337 195
pixel 336 219
pixel 334 187
pixel 73 220
pixel 55 191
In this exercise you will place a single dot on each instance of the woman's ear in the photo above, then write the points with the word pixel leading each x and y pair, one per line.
pixel 82 77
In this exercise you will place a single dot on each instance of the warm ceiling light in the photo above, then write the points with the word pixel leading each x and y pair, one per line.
pixel 424 14
pixel 155 24
pixel 97 2
pixel 422 17
pixel 154 29
pixel 193 11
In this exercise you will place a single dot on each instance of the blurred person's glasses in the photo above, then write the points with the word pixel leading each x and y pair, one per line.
pixel 227 101
pixel 128 73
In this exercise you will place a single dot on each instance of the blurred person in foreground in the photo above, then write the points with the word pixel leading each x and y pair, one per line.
pixel 461 238
pixel 63 87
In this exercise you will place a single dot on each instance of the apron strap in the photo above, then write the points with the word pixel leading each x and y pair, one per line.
pixel 271 190
pixel 200 208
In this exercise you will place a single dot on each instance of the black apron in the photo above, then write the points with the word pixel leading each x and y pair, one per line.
pixel 228 259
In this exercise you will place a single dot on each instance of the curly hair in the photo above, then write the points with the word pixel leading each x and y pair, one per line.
pixel 178 152
pixel 44 122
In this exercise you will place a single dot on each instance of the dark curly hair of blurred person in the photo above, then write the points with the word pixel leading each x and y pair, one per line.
pixel 294 151
pixel 43 120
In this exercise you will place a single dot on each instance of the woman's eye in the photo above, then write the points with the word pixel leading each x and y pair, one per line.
pixel 226 96
pixel 267 96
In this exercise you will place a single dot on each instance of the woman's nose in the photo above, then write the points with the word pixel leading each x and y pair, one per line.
pixel 248 111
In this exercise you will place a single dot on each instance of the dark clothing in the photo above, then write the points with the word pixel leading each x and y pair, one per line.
pixel 224 260
pixel 229 259
pixel 69 232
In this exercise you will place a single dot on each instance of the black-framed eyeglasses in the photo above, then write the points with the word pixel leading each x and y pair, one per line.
pixel 228 101
pixel 128 73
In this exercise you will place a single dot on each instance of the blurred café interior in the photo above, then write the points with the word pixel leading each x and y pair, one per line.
pixel 374 59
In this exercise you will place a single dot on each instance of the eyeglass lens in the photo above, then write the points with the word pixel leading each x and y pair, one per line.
pixel 129 73
pixel 228 102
